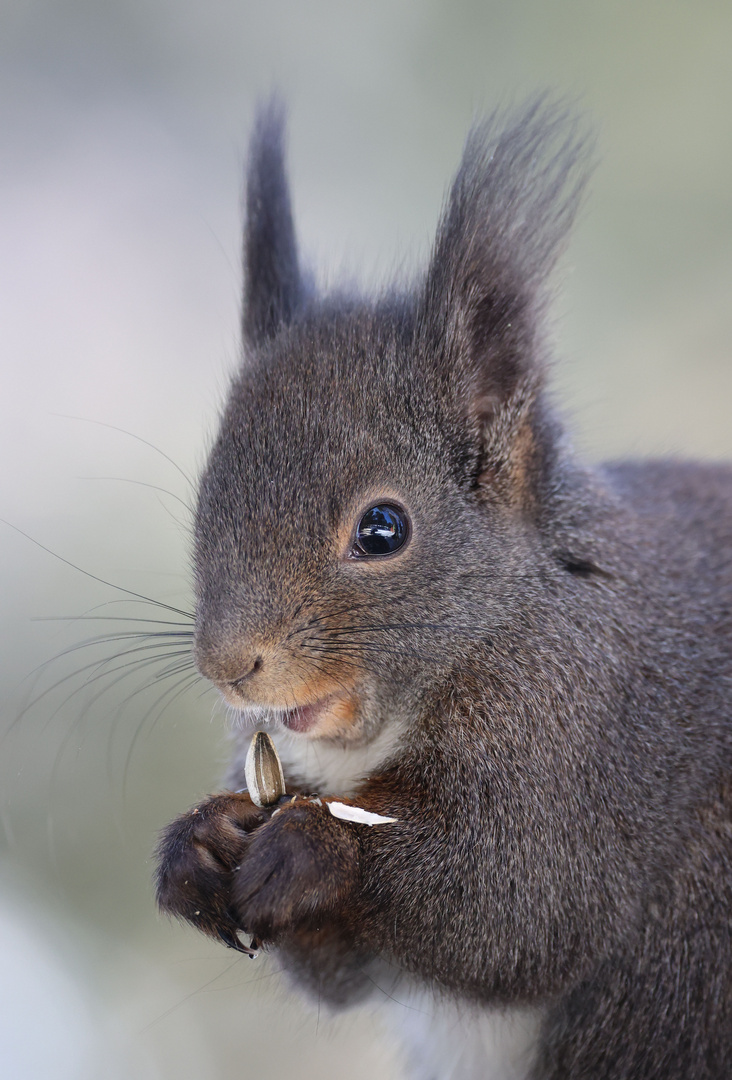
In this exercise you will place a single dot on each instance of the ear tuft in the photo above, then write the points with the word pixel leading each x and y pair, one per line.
pixel 504 226
pixel 272 282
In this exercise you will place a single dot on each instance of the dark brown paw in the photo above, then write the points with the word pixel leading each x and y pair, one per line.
pixel 198 858
pixel 297 870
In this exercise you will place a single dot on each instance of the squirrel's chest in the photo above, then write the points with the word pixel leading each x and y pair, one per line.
pixel 445 1040
pixel 332 769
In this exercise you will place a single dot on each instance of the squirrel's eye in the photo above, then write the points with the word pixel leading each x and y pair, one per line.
pixel 381 531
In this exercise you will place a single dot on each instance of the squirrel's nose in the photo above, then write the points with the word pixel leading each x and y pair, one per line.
pixel 226 662
pixel 255 667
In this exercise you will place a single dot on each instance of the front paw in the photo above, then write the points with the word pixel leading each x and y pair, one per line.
pixel 299 868
pixel 198 856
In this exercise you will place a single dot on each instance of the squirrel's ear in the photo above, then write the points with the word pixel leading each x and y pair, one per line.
pixel 272 282
pixel 502 230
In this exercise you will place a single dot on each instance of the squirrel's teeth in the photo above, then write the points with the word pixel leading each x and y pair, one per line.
pixel 263 771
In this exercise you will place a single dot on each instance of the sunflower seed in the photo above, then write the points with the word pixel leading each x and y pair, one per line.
pixel 263 771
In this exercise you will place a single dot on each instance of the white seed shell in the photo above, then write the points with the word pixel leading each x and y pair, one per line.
pixel 357 814
pixel 263 771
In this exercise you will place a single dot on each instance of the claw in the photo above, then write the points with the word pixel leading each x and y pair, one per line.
pixel 231 941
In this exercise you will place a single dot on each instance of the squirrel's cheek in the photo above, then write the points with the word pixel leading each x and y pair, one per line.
pixel 339 719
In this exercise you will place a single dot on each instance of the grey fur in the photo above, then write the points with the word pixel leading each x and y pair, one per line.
pixel 554 643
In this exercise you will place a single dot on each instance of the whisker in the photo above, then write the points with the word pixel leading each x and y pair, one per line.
pixel 79 671
pixel 142 483
pixel 73 729
pixel 127 669
pixel 382 627
pixel 173 669
pixel 181 688
pixel 109 618
pixel 356 648
pixel 94 577
pixel 433 657
pixel 79 719
pixel 130 697
pixel 342 648
pixel 162 636
pixel 193 993
pixel 316 619
pixel 131 435
pixel 36 673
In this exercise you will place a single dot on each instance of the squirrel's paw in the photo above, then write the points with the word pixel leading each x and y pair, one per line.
pixel 299 868
pixel 198 857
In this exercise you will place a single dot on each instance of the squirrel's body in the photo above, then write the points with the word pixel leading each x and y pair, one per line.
pixel 535 678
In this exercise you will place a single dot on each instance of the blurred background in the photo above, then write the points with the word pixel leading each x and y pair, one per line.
pixel 124 133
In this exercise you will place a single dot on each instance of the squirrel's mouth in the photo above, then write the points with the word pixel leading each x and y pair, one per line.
pixel 304 717
pixel 333 716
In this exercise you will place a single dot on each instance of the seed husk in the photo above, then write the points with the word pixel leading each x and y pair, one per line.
pixel 348 812
pixel 263 771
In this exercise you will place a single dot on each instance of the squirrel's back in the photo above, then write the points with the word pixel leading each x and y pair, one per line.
pixel 684 512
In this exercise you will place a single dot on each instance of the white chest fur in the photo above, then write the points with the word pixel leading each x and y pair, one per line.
pixel 445 1040
pixel 332 769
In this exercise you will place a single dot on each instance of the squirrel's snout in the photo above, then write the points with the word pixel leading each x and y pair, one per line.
pixel 253 670
pixel 231 666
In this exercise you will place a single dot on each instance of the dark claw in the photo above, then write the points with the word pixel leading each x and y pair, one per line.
pixel 232 942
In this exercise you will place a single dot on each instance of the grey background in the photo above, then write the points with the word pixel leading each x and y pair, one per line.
pixel 123 134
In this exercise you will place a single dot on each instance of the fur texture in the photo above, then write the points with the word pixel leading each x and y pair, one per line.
pixel 538 685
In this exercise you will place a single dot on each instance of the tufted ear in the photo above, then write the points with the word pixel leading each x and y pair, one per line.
pixel 272 281
pixel 504 226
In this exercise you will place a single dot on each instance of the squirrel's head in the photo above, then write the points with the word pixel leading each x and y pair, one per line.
pixel 373 498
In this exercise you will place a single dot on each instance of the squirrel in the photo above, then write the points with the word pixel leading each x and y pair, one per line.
pixel 444 617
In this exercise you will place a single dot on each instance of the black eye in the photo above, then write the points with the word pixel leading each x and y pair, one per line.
pixel 382 530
